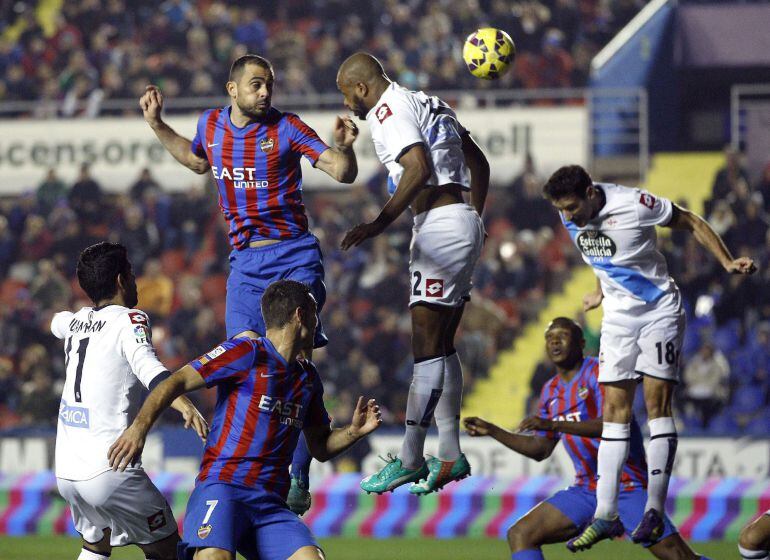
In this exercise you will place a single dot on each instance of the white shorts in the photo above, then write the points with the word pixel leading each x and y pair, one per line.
pixel 644 341
pixel 446 243
pixel 126 502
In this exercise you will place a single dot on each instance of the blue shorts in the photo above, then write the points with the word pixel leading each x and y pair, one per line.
pixel 579 505
pixel 255 523
pixel 253 269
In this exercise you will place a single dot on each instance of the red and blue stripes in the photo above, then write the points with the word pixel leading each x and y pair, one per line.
pixel 706 510
pixel 257 172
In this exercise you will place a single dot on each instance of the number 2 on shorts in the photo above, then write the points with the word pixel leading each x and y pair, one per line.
pixel 212 504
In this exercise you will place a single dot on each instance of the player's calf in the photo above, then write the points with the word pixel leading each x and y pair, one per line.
pixel 164 549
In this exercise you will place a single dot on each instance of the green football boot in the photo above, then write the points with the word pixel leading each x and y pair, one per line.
pixel 391 476
pixel 441 473
pixel 299 499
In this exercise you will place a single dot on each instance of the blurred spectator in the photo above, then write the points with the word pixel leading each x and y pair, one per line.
pixel 101 49
pixel 85 197
pixel 50 192
pixel 763 187
pixel 706 382
pixel 728 177
pixel 155 289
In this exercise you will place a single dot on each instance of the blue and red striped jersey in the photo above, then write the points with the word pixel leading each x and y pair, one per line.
pixel 262 404
pixel 257 171
pixel 577 401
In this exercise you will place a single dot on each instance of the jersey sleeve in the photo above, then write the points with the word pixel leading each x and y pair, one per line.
pixel 60 322
pixel 304 139
pixel 400 129
pixel 197 147
pixel 231 361
pixel 653 210
pixel 316 413
pixel 136 345
pixel 542 412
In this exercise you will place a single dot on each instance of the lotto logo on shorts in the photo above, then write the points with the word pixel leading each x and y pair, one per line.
pixel 156 521
pixel 383 112
pixel 434 288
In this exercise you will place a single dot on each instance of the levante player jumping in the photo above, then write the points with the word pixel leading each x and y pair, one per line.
pixel 253 151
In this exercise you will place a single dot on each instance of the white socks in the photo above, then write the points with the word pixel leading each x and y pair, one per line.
pixel 747 554
pixel 613 452
pixel 660 461
pixel 424 394
pixel 89 555
pixel 448 410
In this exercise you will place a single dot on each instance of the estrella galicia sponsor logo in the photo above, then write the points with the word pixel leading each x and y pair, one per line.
pixel 75 416
pixel 595 244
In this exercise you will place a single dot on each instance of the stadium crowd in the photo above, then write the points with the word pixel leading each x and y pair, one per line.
pixel 180 253
pixel 92 50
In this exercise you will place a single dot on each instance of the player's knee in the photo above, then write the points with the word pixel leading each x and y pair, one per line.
pixel 752 538
pixel 213 554
pixel 522 537
pixel 308 553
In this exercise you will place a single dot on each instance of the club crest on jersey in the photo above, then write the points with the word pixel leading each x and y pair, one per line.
pixel 647 200
pixel 383 112
pixel 267 145
pixel 204 531
pixel 156 520
pixel 594 244
pixel 583 392
pixel 434 287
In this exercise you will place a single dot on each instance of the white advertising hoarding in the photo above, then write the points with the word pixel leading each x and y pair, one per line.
pixel 119 148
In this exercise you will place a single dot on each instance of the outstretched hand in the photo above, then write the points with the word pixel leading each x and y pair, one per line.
pixel 193 419
pixel 742 265
pixel 477 427
pixel 357 235
pixel 592 300
pixel 366 417
pixel 152 104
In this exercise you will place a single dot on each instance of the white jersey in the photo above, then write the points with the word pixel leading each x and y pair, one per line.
pixel 401 119
pixel 620 243
pixel 108 356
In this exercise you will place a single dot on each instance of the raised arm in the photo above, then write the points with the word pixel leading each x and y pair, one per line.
pixel 479 167
pixel 340 162
pixel 417 172
pixel 178 146
pixel 131 442
pixel 326 443
pixel 534 447
pixel 588 428
pixel 706 236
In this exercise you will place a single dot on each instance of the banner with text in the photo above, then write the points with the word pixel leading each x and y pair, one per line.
pixel 119 148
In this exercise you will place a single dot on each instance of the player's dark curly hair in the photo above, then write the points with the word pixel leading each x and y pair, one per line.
pixel 98 268
pixel 567 181
pixel 282 298
pixel 240 63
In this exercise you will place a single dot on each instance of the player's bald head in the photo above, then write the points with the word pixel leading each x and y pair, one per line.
pixel 360 67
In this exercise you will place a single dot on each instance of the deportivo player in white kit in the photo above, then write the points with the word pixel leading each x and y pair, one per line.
pixel 109 360
pixel 428 155
pixel 642 329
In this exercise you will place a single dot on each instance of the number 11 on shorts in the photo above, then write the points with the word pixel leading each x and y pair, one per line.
pixel 212 504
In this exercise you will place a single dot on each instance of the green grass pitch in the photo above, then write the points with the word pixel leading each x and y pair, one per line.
pixel 65 548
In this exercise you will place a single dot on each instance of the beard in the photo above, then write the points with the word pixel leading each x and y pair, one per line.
pixel 131 297
pixel 254 111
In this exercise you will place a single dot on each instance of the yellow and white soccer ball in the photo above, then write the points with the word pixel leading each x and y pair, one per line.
pixel 488 53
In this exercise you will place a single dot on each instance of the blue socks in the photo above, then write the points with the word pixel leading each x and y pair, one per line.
pixel 300 462
pixel 529 554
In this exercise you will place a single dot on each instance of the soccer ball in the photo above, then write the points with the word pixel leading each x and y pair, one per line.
pixel 488 52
